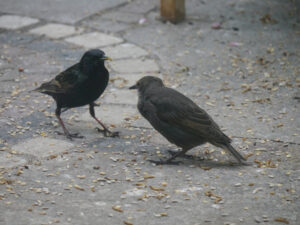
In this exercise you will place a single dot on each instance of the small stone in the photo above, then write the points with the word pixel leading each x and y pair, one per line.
pixel 257 219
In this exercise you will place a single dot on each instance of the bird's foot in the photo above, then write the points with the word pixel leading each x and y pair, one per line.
pixel 166 162
pixel 70 136
pixel 108 133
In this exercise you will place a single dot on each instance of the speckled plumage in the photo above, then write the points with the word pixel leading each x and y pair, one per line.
pixel 79 85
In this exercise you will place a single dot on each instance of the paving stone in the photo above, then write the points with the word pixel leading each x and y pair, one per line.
pixel 15 22
pixel 122 16
pixel 42 147
pixel 48 46
pixel 111 114
pixel 125 50
pixel 15 39
pixel 127 80
pixel 54 30
pixel 134 66
pixel 94 40
pixel 106 25
pixel 119 96
pixel 157 139
pixel 10 161
pixel 141 122
pixel 66 11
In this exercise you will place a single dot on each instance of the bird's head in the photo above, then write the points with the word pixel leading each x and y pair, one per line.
pixel 146 83
pixel 92 58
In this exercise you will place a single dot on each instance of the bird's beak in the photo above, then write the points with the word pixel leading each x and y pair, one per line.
pixel 107 58
pixel 134 87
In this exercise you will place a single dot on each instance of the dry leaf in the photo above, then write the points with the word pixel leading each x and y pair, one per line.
pixel 127 223
pixel 281 220
pixel 156 188
pixel 78 187
pixel 117 208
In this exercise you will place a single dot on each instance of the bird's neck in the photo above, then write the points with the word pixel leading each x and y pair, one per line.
pixel 94 70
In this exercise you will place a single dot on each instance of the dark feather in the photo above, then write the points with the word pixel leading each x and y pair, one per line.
pixel 79 85
pixel 178 118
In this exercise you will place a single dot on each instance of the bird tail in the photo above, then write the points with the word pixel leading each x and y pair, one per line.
pixel 235 153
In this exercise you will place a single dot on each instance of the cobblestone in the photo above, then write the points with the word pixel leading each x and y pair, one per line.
pixel 94 40
pixel 119 96
pixel 13 22
pixel 125 50
pixel 55 31
pixel 134 66
pixel 42 146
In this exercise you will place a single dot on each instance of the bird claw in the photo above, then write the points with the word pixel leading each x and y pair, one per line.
pixel 108 133
pixel 161 162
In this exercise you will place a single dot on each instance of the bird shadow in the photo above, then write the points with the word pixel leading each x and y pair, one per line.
pixel 206 164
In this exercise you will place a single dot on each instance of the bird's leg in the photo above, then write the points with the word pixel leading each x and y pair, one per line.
pixel 67 133
pixel 107 132
pixel 64 109
pixel 95 104
pixel 170 160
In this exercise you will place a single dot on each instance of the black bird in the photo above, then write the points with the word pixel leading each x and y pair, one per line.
pixel 79 85
pixel 178 118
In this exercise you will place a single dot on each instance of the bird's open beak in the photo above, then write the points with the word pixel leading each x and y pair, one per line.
pixel 134 87
pixel 107 58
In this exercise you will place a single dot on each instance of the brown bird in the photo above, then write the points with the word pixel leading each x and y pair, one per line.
pixel 178 118
pixel 79 85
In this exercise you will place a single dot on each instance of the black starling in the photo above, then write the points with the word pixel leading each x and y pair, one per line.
pixel 79 85
pixel 178 118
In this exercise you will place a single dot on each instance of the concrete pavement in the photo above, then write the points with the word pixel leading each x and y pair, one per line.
pixel 239 60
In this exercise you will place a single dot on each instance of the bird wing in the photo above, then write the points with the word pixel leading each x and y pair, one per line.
pixel 176 109
pixel 64 82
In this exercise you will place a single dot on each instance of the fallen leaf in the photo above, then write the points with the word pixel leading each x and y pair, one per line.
pixel 281 220
pixel 117 208
pixel 78 187
pixel 156 188
pixel 127 223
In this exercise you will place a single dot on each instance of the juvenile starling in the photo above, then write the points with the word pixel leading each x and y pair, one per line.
pixel 79 85
pixel 178 118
